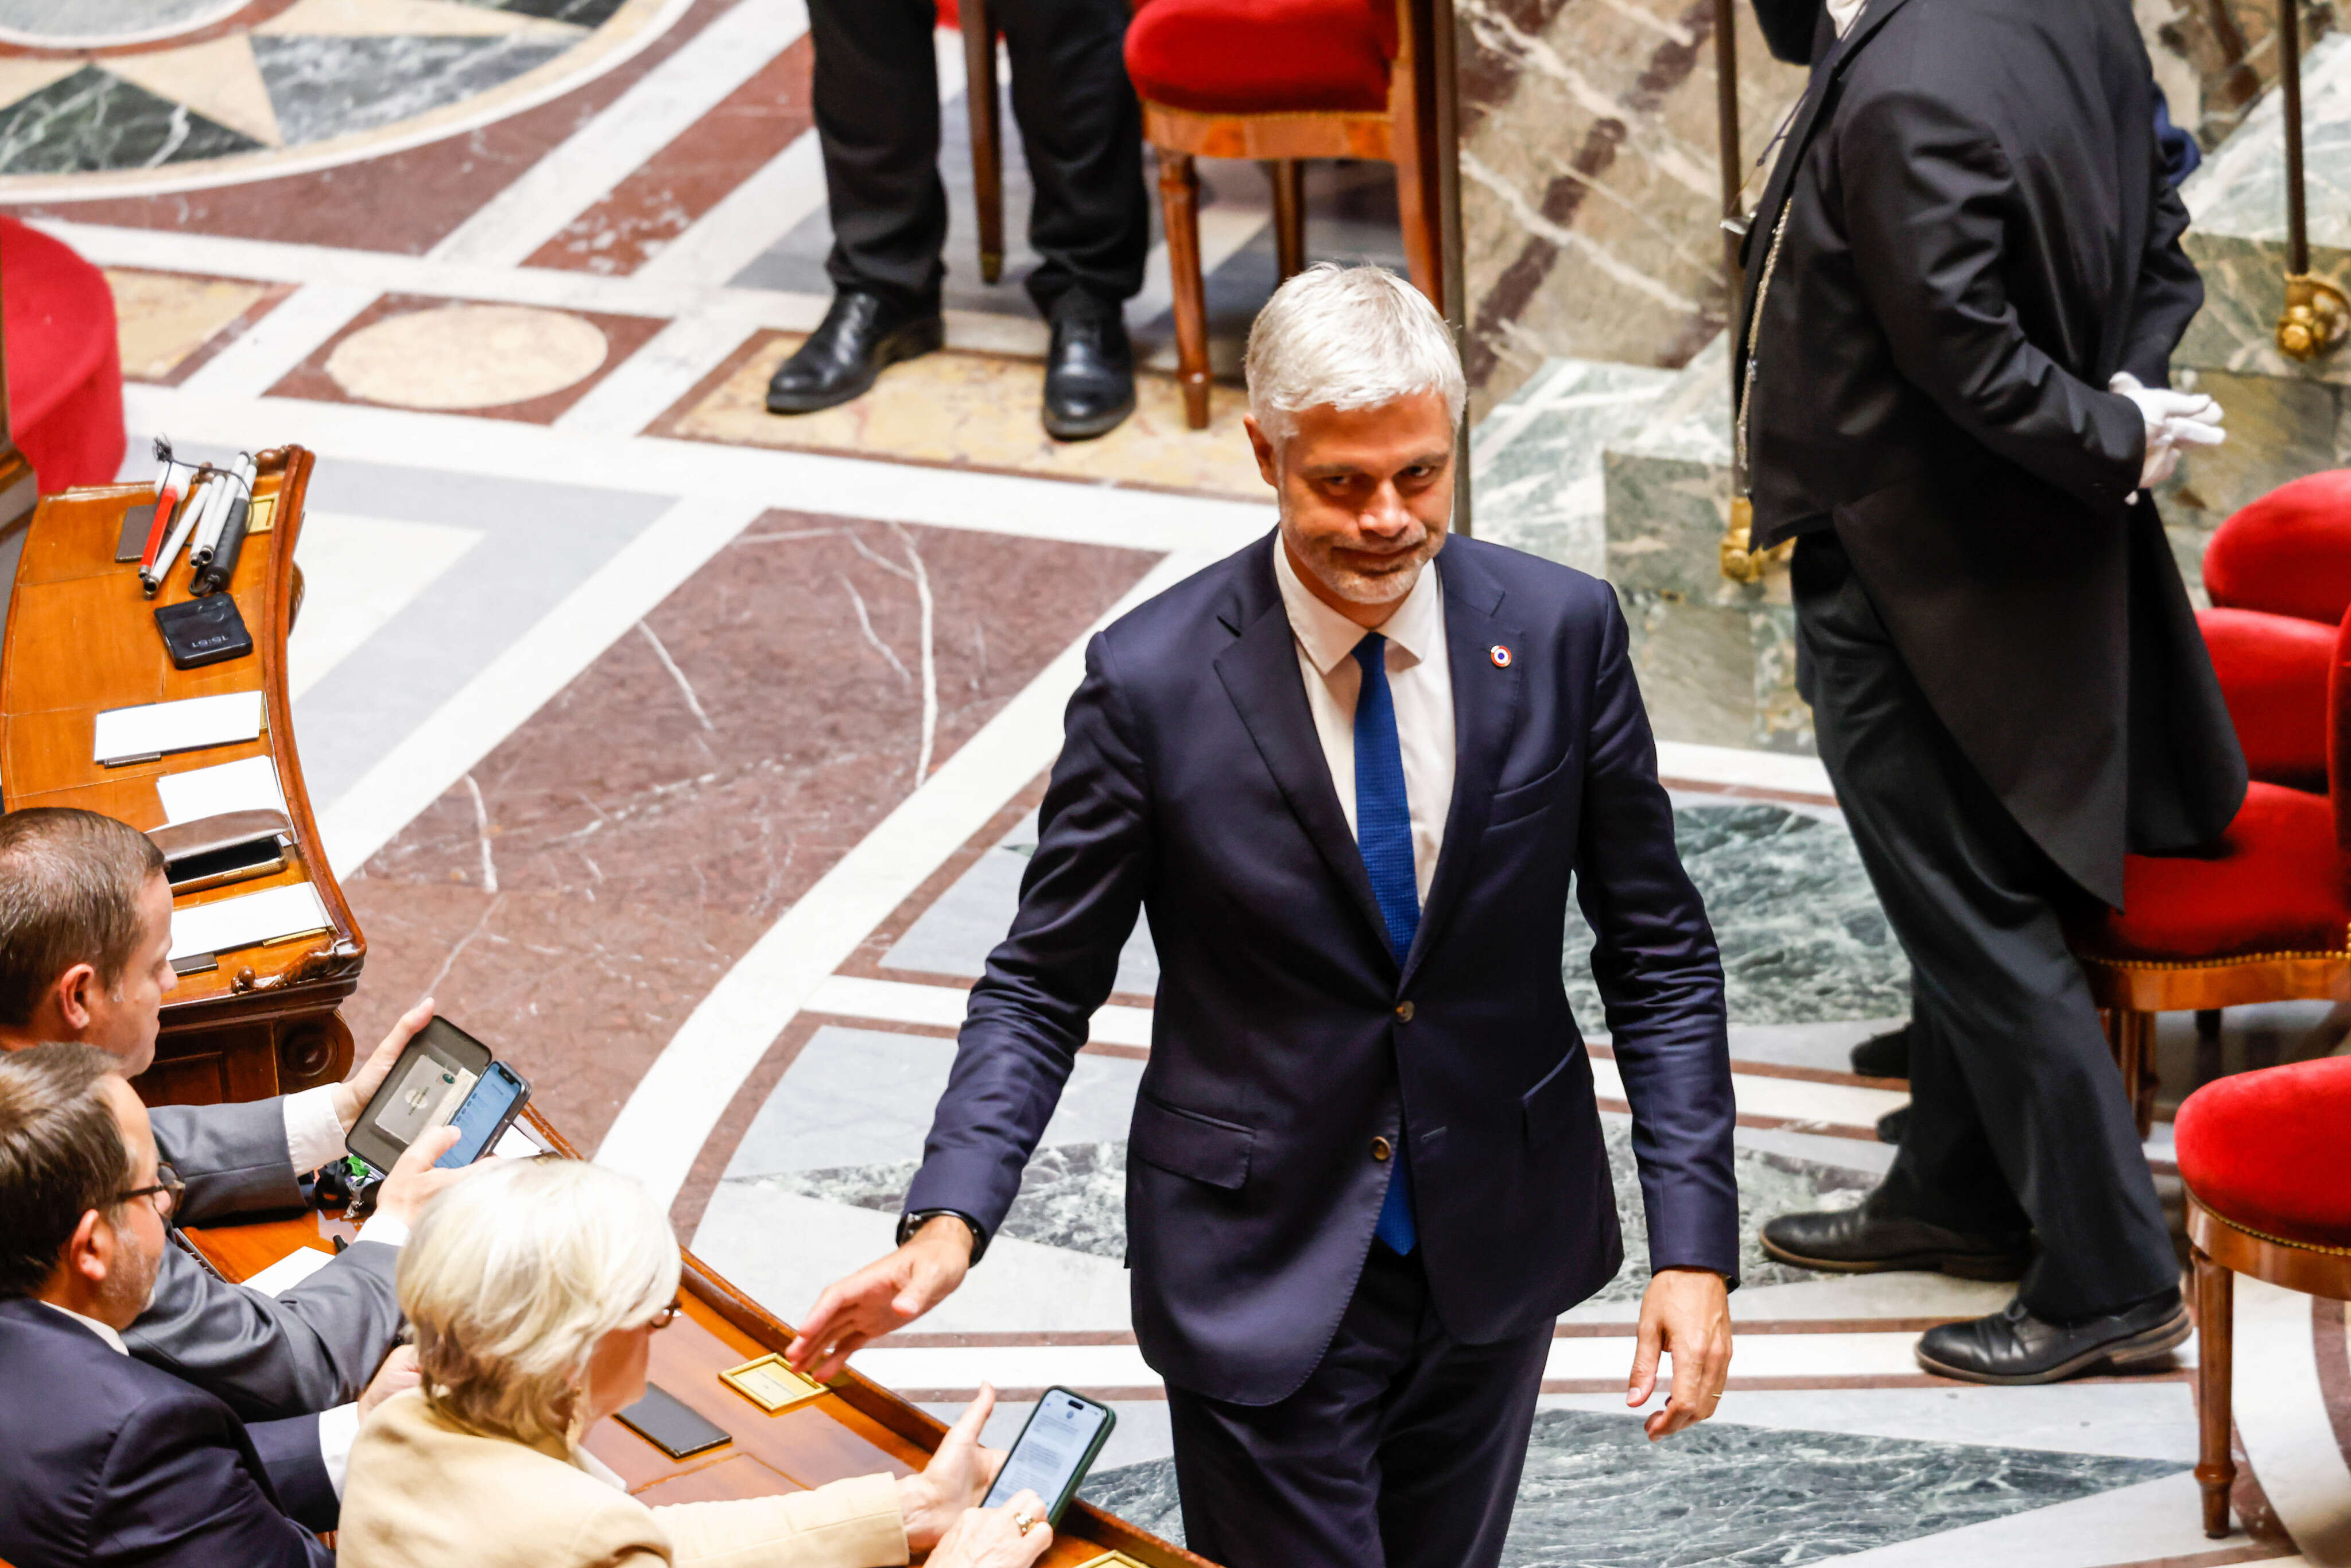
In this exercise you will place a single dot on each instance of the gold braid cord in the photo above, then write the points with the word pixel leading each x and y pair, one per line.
pixel 1739 562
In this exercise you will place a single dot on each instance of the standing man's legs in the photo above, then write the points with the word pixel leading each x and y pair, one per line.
pixel 1089 218
pixel 2017 1111
pixel 1402 1450
pixel 876 96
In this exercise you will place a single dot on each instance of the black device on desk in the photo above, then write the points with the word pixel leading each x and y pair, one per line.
pixel 664 1420
pixel 1064 1436
pixel 200 631
pixel 445 1075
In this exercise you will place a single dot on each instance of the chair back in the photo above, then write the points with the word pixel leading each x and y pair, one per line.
pixel 2288 553
pixel 2338 732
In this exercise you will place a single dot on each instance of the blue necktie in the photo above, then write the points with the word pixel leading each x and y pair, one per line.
pixel 1384 834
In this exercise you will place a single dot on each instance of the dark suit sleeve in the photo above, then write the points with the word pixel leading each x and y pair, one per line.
pixel 1028 1018
pixel 296 1468
pixel 1659 975
pixel 312 1346
pixel 2170 289
pixel 179 1491
pixel 232 1157
pixel 1926 196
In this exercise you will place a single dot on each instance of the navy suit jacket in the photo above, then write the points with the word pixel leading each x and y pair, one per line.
pixel 105 1460
pixel 1287 1035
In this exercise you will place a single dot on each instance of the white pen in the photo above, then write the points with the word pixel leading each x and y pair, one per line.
pixel 215 513
pixel 201 489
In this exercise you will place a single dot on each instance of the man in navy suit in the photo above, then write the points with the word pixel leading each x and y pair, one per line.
pixel 1350 782
pixel 104 1459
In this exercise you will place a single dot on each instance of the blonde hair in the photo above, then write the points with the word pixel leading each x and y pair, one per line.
pixel 512 1277
pixel 1351 337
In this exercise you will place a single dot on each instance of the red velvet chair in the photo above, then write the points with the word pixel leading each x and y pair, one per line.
pixel 2268 1173
pixel 2266 914
pixel 1281 80
pixel 65 369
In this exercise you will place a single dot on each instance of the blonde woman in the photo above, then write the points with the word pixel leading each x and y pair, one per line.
pixel 534 1287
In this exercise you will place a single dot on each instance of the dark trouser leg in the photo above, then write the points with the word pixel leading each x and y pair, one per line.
pixel 1403 1449
pixel 876 96
pixel 1083 131
pixel 2016 1107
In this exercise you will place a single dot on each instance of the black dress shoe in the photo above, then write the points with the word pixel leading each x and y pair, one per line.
pixel 861 334
pixel 1884 1055
pixel 1089 371
pixel 1893 1124
pixel 2012 1346
pixel 1857 1242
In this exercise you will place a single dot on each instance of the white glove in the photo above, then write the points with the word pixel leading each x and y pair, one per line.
pixel 2174 420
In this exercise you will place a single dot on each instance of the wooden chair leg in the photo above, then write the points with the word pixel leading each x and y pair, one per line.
pixel 1412 137
pixel 2132 1036
pixel 1179 212
pixel 1289 218
pixel 986 135
pixel 2216 1470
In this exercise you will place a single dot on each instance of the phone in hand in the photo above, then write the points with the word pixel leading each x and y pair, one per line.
pixel 443 1076
pixel 1064 1436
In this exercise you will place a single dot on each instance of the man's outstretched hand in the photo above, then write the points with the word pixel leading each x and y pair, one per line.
pixel 883 1297
pixel 1686 1312
pixel 353 1094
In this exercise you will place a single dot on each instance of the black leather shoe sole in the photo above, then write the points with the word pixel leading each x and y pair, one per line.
pixel 1959 1265
pixel 2139 1352
pixel 910 341
pixel 1063 427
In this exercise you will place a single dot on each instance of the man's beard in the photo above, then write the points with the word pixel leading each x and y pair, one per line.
pixel 130 1283
pixel 1386 587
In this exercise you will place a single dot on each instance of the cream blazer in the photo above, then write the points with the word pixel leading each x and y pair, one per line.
pixel 421 1493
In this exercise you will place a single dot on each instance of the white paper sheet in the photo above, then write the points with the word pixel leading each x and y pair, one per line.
pixel 250 785
pixel 517 1143
pixel 289 1270
pixel 160 728
pixel 232 922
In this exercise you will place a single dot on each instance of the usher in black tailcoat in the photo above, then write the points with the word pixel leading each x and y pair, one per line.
pixel 1978 236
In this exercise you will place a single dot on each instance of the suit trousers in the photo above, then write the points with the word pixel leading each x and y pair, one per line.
pixel 2017 1112
pixel 876 95
pixel 1403 1449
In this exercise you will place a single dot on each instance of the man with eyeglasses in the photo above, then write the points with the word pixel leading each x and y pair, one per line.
pixel 103 1458
pixel 84 943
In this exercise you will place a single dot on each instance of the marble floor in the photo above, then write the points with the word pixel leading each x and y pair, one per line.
pixel 691 755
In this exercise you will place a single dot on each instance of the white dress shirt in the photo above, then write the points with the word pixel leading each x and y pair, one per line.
pixel 1841 14
pixel 1419 679
pixel 103 1331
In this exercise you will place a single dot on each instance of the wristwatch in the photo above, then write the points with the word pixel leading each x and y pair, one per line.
pixel 910 1223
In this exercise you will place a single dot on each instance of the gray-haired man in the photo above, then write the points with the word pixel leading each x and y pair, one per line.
pixel 1351 785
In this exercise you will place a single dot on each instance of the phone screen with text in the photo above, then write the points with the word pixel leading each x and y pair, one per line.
pixel 1046 1460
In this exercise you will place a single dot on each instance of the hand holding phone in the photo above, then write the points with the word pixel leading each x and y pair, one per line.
pixel 443 1078
pixel 1064 1436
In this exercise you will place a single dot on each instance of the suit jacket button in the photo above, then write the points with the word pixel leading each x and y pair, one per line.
pixel 1382 1149
pixel 1404 1012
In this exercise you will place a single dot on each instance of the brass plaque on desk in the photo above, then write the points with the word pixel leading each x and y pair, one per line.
pixel 771 1384
pixel 1111 1560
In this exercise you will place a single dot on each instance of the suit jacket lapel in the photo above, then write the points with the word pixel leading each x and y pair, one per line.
pixel 1758 244
pixel 1485 711
pixel 1261 675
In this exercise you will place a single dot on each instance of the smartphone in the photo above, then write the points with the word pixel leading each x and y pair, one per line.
pixel 1064 1436
pixel 433 1084
pixel 664 1421
pixel 492 1106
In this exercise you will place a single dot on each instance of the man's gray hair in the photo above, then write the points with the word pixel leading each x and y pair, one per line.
pixel 1351 337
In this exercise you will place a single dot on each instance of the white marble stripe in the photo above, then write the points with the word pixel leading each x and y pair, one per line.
pixel 658 374
pixel 660 104
pixel 897 1001
pixel 281 340
pixel 1736 765
pixel 2283 1419
pixel 669 1114
pixel 852 486
pixel 1758 1357
pixel 537 664
pixel 2147 1523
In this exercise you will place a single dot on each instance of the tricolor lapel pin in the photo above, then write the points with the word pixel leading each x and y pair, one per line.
pixel 1500 655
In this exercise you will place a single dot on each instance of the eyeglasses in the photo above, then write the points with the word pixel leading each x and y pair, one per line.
pixel 165 1194
pixel 667 1315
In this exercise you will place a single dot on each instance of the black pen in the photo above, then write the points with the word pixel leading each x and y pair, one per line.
pixel 221 569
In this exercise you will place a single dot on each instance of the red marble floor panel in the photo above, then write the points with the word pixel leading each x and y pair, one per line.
pixel 693 174
pixel 623 336
pixel 633 838
pixel 405 202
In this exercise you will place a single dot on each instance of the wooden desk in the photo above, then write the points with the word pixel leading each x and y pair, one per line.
pixel 856 1430
pixel 81 639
